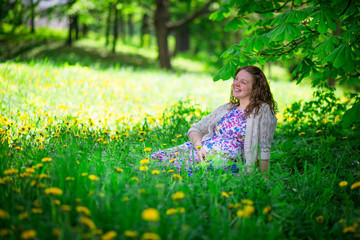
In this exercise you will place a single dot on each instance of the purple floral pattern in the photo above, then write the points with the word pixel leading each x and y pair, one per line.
pixel 227 144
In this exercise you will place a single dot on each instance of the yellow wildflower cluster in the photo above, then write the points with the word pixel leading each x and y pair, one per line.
pixel 247 210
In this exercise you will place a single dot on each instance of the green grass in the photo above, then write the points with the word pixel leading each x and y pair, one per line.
pixel 94 119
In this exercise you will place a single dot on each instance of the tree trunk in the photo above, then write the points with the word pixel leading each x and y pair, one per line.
pixel 331 80
pixel 32 16
pixel 115 29
pixel 108 24
pixel 161 18
pixel 182 40
pixel 121 25
pixel 130 26
pixel 69 40
pixel 76 26
pixel 145 28
pixel 85 29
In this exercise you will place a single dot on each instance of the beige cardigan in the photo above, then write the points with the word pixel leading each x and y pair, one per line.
pixel 259 132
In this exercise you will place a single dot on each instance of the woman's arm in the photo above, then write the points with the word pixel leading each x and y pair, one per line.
pixel 267 129
pixel 196 140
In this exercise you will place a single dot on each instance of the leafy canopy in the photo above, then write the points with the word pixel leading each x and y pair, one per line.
pixel 324 34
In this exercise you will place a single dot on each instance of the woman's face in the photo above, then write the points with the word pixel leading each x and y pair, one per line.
pixel 242 85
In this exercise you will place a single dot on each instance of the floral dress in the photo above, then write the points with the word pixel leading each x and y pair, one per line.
pixel 226 145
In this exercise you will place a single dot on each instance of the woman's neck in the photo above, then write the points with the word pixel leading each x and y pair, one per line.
pixel 243 104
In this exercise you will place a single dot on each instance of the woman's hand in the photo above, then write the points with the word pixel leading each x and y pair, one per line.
pixel 202 154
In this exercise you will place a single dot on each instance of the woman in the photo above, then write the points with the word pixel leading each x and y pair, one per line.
pixel 239 130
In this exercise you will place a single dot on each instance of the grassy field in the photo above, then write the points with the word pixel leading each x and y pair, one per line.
pixel 75 140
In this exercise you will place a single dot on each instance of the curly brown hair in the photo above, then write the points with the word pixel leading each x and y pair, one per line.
pixel 260 92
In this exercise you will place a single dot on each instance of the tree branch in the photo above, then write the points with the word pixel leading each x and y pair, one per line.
pixel 295 44
pixel 345 8
pixel 204 9
pixel 275 9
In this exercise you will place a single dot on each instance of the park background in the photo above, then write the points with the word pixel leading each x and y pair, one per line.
pixel 90 88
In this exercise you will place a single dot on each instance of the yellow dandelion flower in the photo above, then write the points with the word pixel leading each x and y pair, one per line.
pixel 178 195
pixel 181 210
pixel 267 209
pixel 4 214
pixel 150 214
pixel 150 236
pixel 109 235
pixel 231 205
pixel 56 232
pixel 147 149
pixel 30 170
pixel 69 179
pixel 155 172
pixel 28 234
pixel 43 175
pixel 224 194
pixel 142 133
pixel 249 209
pixel 247 201
pixel 83 210
pixel 172 160
pixel 119 169
pixel 39 165
pixel 170 171
pixel 66 208
pixel 19 207
pixel 56 202
pixel 23 215
pixel 171 211
pixel 318 131
pixel 302 134
pixel 93 177
pixel 135 179
pixel 343 183
pixel 84 174
pixel 4 232
pixel 198 147
pixel 176 154
pixel 320 219
pixel 177 176
pixel 160 185
pixel 87 222
pixel 131 234
pixel 125 199
pixel 46 159
pixel 142 190
pixel 179 136
pixel 53 191
pixel 231 193
pixel 143 168
pixel 37 210
pixel 144 161
pixel 11 171
pixel 355 185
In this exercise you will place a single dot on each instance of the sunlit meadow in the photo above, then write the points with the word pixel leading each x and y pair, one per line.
pixel 74 154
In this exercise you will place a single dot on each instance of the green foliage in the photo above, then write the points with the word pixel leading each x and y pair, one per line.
pixel 325 37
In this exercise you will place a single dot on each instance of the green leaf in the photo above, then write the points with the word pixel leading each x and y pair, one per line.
pixel 226 72
pixel 325 47
pixel 322 28
pixel 349 66
pixel 336 57
pixel 285 31
pixel 351 115
pixel 234 24
pixel 251 44
pixel 259 43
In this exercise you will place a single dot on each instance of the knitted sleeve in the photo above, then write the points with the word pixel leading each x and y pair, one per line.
pixel 203 125
pixel 267 128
